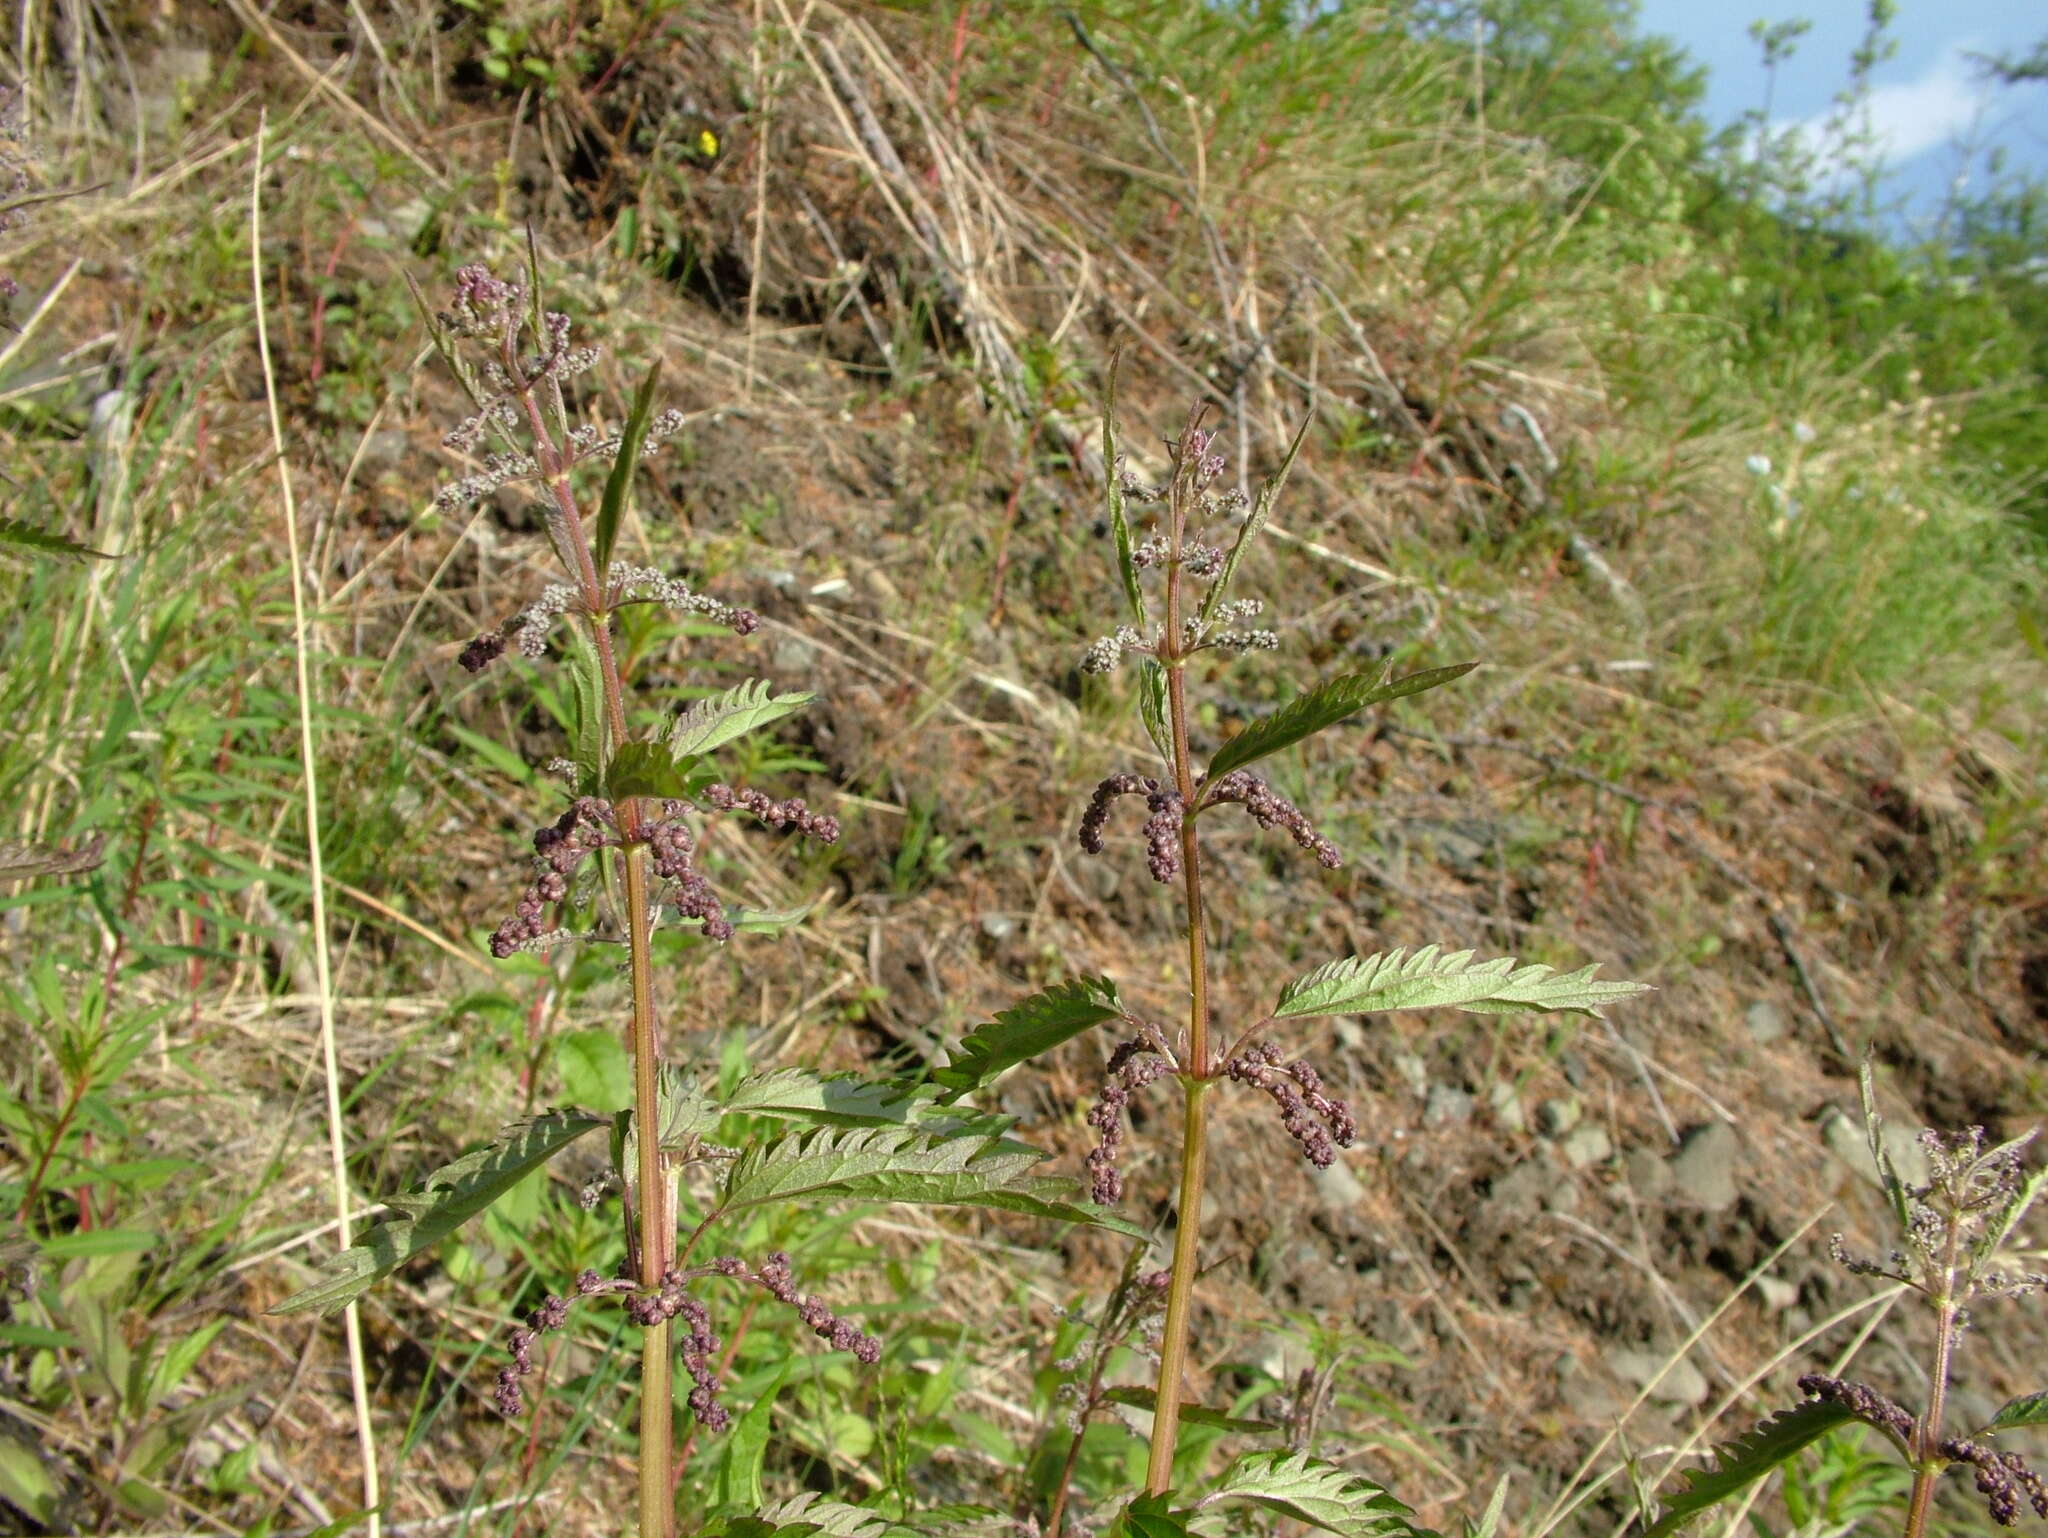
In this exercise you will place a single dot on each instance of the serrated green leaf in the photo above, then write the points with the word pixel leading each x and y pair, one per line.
pixel 711 723
pixel 1152 706
pixel 586 711
pixel 1043 1196
pixel 1255 520
pixel 1742 1462
pixel 1026 1029
pixel 836 1519
pixel 829 1100
pixel 446 1199
pixel 877 1164
pixel 645 769
pixel 1325 705
pixel 2026 1410
pixel 25 536
pixel 611 510
pixel 1149 1516
pixel 1434 979
pixel 1191 1414
pixel 1312 1491
pixel 1119 521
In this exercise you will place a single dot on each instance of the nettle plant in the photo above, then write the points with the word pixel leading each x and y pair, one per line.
pixel 622 858
pixel 1956 1241
pixel 1177 578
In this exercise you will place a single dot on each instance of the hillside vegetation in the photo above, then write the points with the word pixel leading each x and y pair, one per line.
pixel 1740 510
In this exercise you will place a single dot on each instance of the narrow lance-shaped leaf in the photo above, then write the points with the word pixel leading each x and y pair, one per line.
pixel 441 1203
pixel 713 722
pixel 1024 1030
pixel 1255 520
pixel 19 861
pixel 1880 1154
pixel 1152 706
pixel 1312 1491
pixel 1325 705
pixel 611 509
pixel 1119 520
pixel 26 536
pixel 586 708
pixel 1742 1462
pixel 1434 979
pixel 2027 1410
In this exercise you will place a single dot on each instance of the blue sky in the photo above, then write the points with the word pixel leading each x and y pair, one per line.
pixel 1927 98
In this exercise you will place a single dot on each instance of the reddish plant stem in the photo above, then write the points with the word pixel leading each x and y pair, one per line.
pixel 1927 1460
pixel 652 1216
pixel 35 1181
pixel 1197 1070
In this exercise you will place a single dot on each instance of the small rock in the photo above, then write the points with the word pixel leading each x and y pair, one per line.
pixel 1766 1022
pixel 1649 1173
pixel 1534 1185
pixel 385 450
pixel 1414 1070
pixel 1558 1115
pixel 1338 1189
pixel 998 926
pixel 1447 1107
pixel 1586 1146
pixel 1588 1395
pixel 1776 1293
pixel 1703 1169
pixel 1844 1136
pixel 1680 1384
pixel 1506 1106
pixel 794 656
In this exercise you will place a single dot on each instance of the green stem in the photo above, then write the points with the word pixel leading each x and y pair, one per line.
pixel 657 1225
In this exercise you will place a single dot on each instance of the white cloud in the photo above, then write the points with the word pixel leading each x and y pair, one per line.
pixel 1945 105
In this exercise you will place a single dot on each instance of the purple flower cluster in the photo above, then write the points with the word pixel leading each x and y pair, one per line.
pixel 791 816
pixel 1132 1066
pixel 1320 1123
pixel 1269 809
pixel 2003 1479
pixel 843 1335
pixel 674 848
pixel 562 846
pixel 1863 1402
pixel 697 1342
pixel 591 824
pixel 1162 828
pixel 552 1314
pixel 643 584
